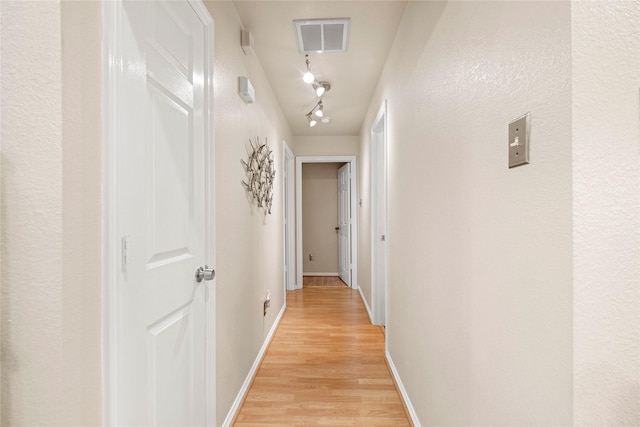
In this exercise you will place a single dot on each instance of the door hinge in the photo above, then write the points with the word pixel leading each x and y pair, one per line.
pixel 126 246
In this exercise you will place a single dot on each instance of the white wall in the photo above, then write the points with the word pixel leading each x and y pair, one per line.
pixel 320 217
pixel 479 319
pixel 606 212
pixel 325 146
pixel 249 246
pixel 51 222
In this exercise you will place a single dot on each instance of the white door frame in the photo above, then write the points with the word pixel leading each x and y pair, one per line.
pixel 288 189
pixel 354 223
pixel 112 17
pixel 379 246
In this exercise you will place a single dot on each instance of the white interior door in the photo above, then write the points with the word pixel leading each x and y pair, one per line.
pixel 379 217
pixel 344 223
pixel 161 100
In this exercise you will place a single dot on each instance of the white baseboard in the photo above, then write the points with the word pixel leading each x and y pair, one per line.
pixel 320 274
pixel 252 372
pixel 364 301
pixel 403 391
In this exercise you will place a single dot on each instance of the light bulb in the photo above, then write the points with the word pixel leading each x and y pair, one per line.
pixel 319 112
pixel 312 123
pixel 320 91
pixel 308 77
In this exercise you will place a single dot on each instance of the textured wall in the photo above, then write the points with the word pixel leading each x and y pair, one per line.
pixel 320 217
pixel 479 290
pixel 31 214
pixel 51 224
pixel 249 246
pixel 606 212
pixel 325 145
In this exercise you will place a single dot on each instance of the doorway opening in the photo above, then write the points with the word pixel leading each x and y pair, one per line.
pixel 347 231
pixel 325 219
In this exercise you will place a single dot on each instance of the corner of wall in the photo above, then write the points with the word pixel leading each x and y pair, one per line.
pixel 606 226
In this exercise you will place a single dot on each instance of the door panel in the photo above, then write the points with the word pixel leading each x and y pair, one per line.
pixel 170 180
pixel 161 210
pixel 169 349
pixel 344 224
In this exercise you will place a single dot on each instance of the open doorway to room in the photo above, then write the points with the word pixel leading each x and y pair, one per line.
pixel 325 221
pixel 326 228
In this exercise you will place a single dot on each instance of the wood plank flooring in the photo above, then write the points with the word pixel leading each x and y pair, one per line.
pixel 325 365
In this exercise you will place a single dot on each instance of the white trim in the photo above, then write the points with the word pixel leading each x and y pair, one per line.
pixel 210 209
pixel 354 210
pixel 288 190
pixel 321 274
pixel 378 301
pixel 111 21
pixel 256 364
pixel 364 301
pixel 403 391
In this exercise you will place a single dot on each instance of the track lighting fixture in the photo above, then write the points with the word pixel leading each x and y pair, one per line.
pixel 308 77
pixel 320 88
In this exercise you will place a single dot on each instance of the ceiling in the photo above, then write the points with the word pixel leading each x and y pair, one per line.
pixel 353 74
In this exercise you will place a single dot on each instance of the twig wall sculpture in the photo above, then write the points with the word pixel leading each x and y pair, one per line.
pixel 260 174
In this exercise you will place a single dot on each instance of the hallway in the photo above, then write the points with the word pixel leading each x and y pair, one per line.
pixel 515 292
pixel 325 365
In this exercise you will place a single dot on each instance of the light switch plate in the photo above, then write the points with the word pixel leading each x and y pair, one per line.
pixel 519 133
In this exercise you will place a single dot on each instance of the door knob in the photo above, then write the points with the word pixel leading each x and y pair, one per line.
pixel 205 273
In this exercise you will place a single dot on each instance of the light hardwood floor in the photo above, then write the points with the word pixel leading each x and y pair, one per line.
pixel 325 365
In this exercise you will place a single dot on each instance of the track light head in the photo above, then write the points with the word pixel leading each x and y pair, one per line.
pixel 312 121
pixel 321 87
pixel 308 77
pixel 319 111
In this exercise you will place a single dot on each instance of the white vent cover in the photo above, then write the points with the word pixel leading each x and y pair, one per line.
pixel 322 35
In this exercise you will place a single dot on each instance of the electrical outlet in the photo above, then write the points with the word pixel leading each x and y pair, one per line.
pixel 266 304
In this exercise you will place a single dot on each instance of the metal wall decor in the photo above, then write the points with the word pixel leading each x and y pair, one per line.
pixel 260 174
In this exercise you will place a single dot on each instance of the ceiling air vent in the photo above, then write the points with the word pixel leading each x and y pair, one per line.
pixel 322 35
